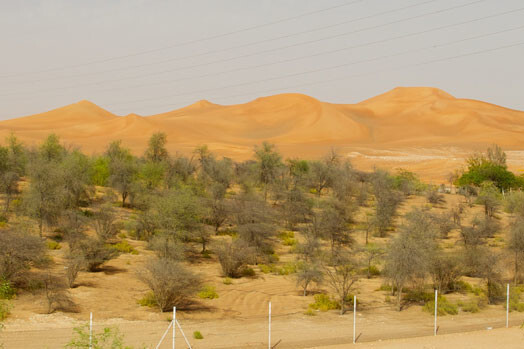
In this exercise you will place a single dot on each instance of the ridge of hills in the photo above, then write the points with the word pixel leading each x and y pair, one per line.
pixel 402 122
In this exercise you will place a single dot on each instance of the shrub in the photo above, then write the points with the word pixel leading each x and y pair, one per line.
pixel 443 307
pixel 7 291
pixel 248 272
pixel 208 292
pixel 288 238
pixel 5 309
pixel 227 281
pixel 96 253
pixel 171 283
pixel 124 247
pixel 515 303
pixel 18 250
pixel 53 245
pixel 197 335
pixel 148 300
pixel 266 269
pixel 233 257
pixel 472 306
pixel 108 338
pixel 418 296
pixel 310 312
pixel 324 302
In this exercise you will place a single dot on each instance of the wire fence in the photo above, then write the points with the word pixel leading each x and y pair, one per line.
pixel 288 330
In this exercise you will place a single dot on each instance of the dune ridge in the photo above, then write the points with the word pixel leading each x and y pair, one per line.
pixel 407 120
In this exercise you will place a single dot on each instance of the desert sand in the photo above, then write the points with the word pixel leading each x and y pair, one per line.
pixel 422 129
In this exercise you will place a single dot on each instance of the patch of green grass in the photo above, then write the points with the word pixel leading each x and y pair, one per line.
pixel 208 292
pixel 288 238
pixel 197 335
pixel 324 302
pixel 310 312
pixel 385 287
pixel 124 247
pixel 227 281
pixel 53 245
pixel 444 307
pixel 148 300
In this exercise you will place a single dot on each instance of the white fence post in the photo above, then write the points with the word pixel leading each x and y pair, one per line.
pixel 354 318
pixel 269 328
pixel 436 311
pixel 183 334
pixel 174 327
pixel 90 330
pixel 164 335
pixel 507 306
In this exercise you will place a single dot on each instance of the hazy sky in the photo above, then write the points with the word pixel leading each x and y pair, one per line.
pixel 148 57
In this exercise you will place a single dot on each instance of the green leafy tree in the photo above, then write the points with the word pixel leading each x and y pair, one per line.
pixel 269 161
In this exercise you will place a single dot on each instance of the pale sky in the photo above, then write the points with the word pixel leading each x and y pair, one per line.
pixel 147 57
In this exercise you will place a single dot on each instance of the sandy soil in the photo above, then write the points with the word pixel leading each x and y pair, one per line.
pixel 238 318
pixel 422 129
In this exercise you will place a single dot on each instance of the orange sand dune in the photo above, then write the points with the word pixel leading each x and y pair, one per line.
pixel 419 128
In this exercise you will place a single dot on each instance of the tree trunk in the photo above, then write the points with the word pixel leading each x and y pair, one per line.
pixel 342 303
pixel 515 277
pixel 399 299
pixel 124 197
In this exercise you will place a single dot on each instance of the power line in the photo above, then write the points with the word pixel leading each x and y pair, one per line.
pixel 272 90
pixel 234 47
pixel 324 68
pixel 267 50
pixel 328 51
pixel 140 53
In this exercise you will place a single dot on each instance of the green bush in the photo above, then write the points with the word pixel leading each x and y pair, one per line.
pixel 443 307
pixel 53 245
pixel 108 338
pixel 248 272
pixel 324 302
pixel 5 310
pixel 197 335
pixel 418 296
pixel 310 312
pixel 266 269
pixel 148 300
pixel 7 291
pixel 208 292
pixel 473 305
pixel 385 287
pixel 124 247
pixel 515 303
pixel 227 281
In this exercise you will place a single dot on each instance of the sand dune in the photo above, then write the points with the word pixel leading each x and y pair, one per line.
pixel 420 121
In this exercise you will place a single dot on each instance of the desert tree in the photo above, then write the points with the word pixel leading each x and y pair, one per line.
pixel 341 273
pixel 371 253
pixel 51 150
pixel 308 274
pixel 255 222
pixel 218 207
pixel 268 161
pixel 19 252
pixel 295 208
pixel 73 226
pixel 434 197
pixel 489 196
pixel 122 169
pixel 386 201
pixel 322 172
pixel 445 269
pixel 179 169
pixel 75 168
pixel 167 246
pixel 45 199
pixel 12 168
pixel 95 253
pixel 156 150
pixel 233 256
pixel 171 282
pixel 408 254
pixel 516 246
pixel 334 225
pixel 105 222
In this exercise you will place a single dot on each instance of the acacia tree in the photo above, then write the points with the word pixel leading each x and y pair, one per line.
pixel 341 274
pixel 268 163
pixel 516 246
pixel 156 150
pixel 122 169
pixel 410 251
pixel 387 201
